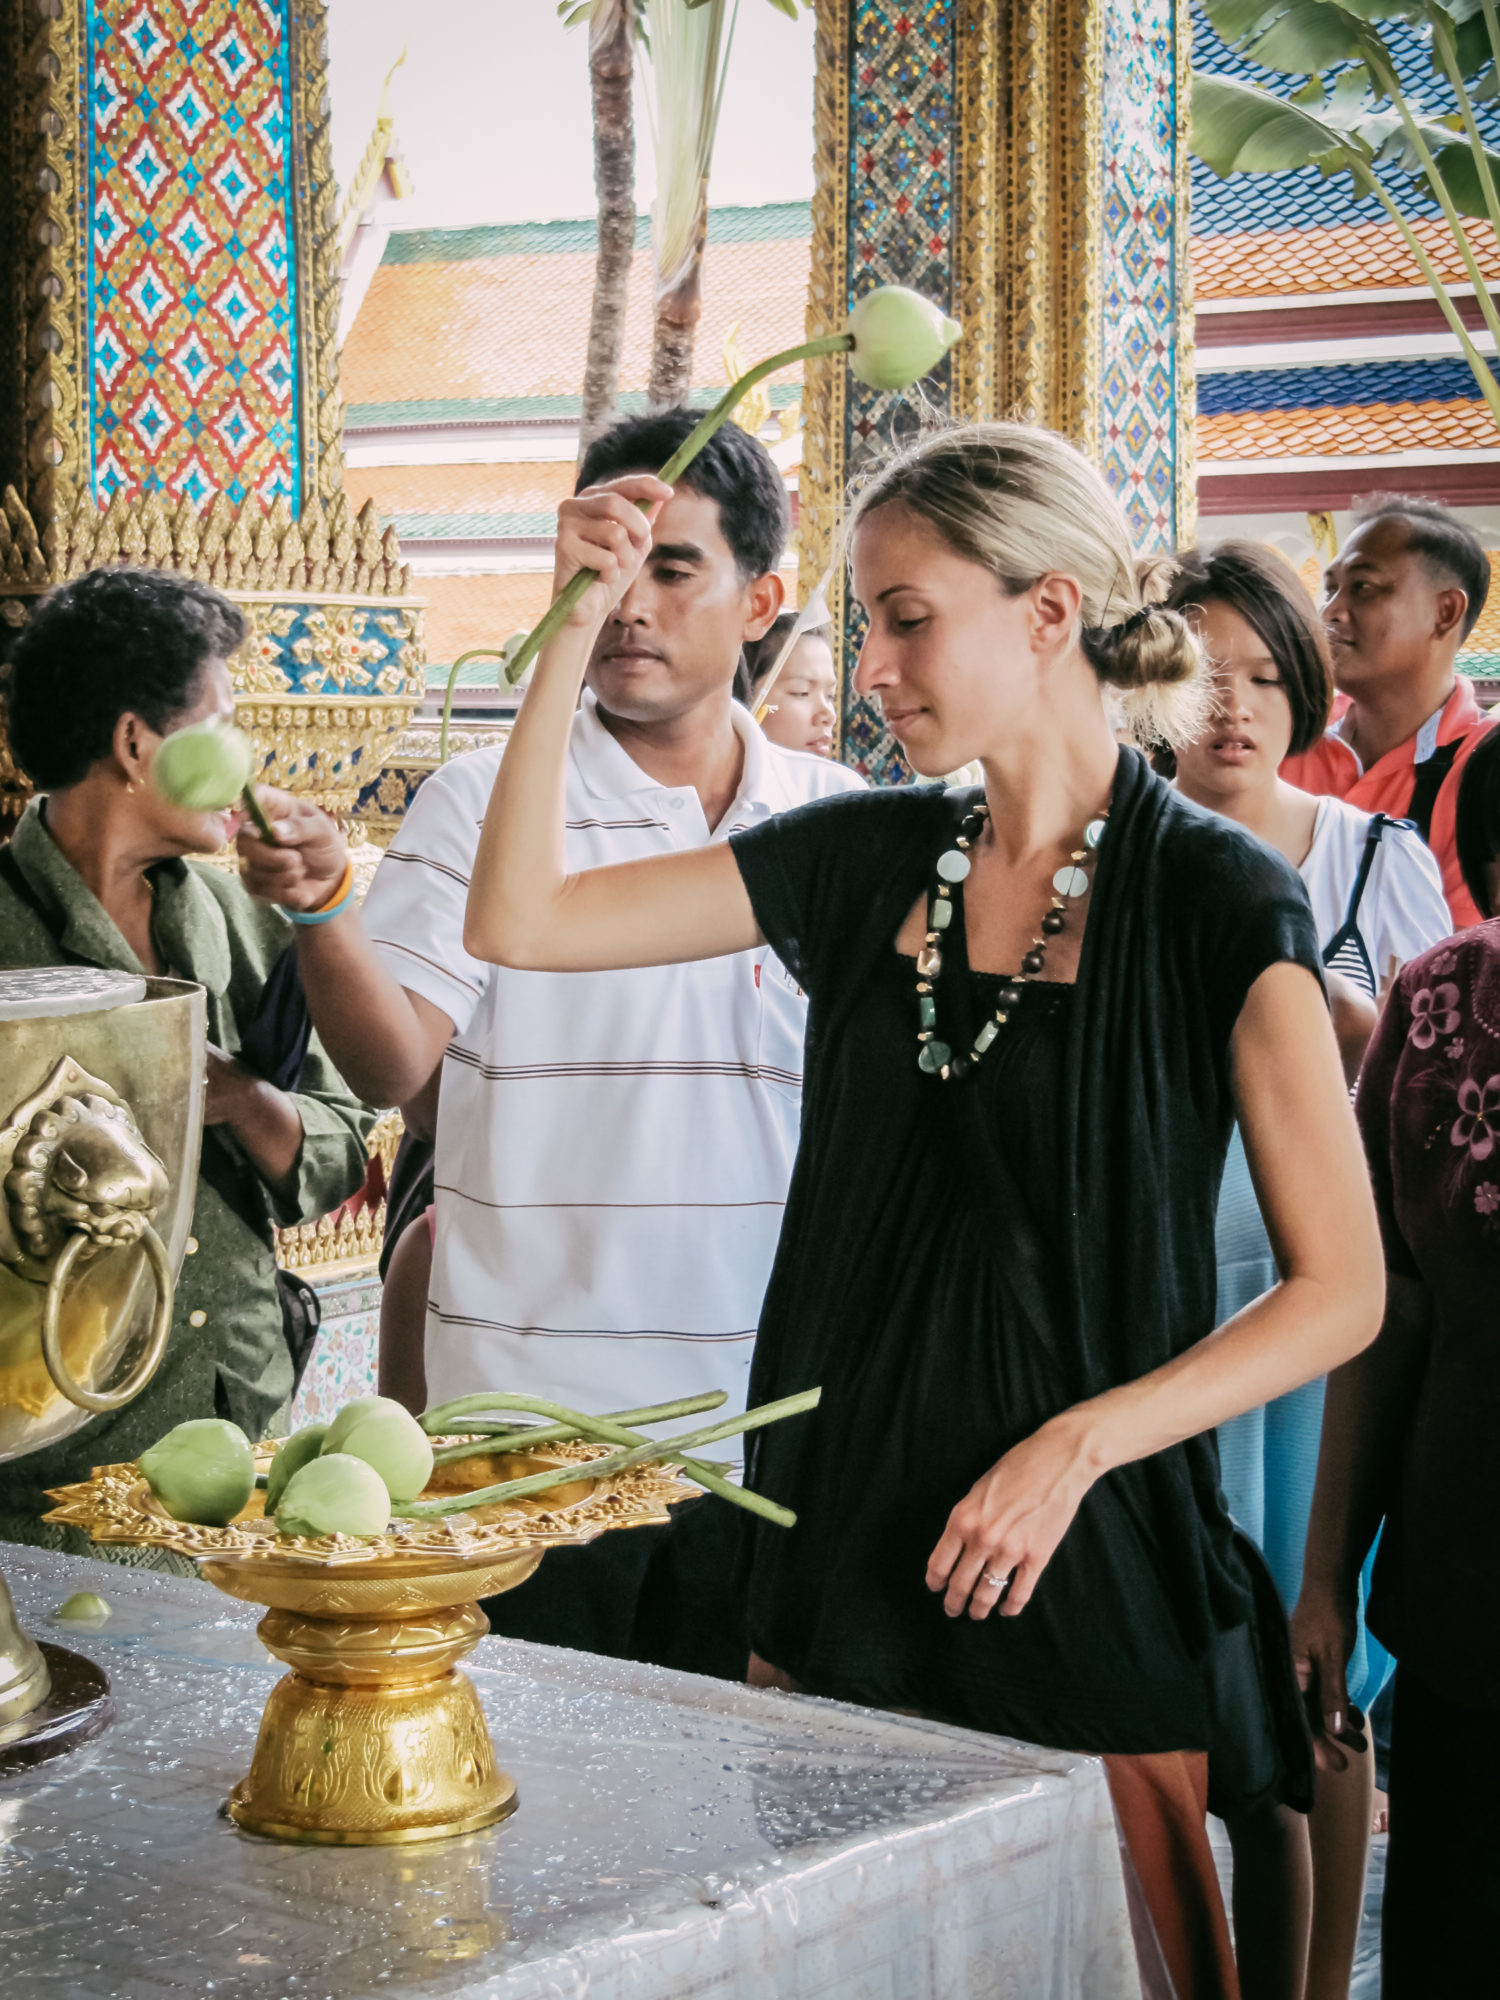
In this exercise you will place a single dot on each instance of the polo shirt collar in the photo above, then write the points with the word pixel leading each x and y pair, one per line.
pixel 609 771
pixel 1458 715
pixel 189 924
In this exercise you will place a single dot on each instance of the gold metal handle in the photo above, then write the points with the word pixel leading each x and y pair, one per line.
pixel 161 1326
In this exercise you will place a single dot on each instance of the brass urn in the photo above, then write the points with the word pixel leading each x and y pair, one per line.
pixel 101 1120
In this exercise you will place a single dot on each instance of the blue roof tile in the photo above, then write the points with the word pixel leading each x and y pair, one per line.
pixel 1339 386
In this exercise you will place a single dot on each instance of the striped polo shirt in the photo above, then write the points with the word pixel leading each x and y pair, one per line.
pixel 613 1148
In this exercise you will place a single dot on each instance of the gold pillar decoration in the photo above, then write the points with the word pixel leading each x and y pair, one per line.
pixel 169 267
pixel 1025 165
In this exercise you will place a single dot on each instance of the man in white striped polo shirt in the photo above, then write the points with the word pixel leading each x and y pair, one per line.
pixel 614 1148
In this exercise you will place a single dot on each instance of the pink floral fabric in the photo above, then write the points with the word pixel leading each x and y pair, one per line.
pixel 1429 1110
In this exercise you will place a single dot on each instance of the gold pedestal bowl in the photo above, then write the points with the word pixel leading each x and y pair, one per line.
pixel 375 1737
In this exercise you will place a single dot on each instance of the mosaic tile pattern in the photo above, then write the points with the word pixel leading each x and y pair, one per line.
pixel 901 173
pixel 191 281
pixel 1138 292
pixel 333 650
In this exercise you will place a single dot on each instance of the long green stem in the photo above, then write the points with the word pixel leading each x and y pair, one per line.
pixel 573 591
pixel 673 1449
pixel 251 802
pixel 1443 42
pixel 474 653
pixel 494 1439
pixel 1483 375
pixel 1390 83
pixel 445 1416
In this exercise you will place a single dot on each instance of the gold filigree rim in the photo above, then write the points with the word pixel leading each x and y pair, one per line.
pixel 116 1505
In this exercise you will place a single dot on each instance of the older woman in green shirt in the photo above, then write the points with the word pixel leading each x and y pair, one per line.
pixel 99 874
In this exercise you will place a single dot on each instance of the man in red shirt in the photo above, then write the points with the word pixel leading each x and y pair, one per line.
pixel 1399 600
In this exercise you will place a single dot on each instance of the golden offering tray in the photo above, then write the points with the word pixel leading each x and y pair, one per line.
pixel 374 1737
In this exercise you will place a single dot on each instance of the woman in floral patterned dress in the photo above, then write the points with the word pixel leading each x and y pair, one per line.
pixel 1410 1431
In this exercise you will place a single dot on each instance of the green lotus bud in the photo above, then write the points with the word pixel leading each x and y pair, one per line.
pixel 292 1455
pixel 898 337
pixel 204 767
pixel 203 1471
pixel 384 1434
pixel 84 1607
pixel 335 1494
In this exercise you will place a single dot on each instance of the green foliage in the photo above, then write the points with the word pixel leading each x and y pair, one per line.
pixel 1349 114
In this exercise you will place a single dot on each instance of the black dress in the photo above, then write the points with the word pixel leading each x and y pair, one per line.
pixel 960 1261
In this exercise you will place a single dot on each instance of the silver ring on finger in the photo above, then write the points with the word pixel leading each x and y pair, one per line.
pixel 995 1582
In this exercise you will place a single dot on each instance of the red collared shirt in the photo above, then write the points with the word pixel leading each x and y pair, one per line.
pixel 1331 766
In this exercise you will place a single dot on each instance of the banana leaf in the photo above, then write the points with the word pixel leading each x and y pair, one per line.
pixel 1240 128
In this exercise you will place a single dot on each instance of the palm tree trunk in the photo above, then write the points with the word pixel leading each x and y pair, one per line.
pixel 611 63
pixel 678 307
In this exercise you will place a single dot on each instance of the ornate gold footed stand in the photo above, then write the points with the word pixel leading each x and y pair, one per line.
pixel 375 1737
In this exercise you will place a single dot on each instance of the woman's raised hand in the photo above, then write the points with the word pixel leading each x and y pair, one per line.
pixel 606 529
pixel 1009 1523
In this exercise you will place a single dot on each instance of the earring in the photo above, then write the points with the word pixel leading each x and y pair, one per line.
pixel 130 784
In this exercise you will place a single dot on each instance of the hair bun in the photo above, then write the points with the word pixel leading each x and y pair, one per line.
pixel 1152 647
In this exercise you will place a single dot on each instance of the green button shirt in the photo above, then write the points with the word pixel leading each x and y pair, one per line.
pixel 226 1355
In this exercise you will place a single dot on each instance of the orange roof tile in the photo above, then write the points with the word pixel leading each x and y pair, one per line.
pixel 1357 431
pixel 465 611
pixel 518 325
pixel 1353 257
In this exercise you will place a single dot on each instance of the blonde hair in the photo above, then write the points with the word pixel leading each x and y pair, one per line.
pixel 1023 503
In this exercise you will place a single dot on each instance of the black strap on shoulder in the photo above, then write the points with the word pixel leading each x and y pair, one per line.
pixel 1430 775
pixel 15 880
pixel 1347 937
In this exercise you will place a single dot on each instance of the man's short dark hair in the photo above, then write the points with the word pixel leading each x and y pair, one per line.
pixel 1452 552
pixel 733 469
pixel 113 641
pixel 1272 599
pixel 1476 824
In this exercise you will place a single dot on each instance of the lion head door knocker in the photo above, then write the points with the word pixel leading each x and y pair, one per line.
pixel 79 1180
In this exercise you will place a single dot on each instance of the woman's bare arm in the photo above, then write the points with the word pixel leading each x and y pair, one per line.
pixel 525 909
pixel 1309 1172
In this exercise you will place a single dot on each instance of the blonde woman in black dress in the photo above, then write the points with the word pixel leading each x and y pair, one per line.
pixel 1036 1009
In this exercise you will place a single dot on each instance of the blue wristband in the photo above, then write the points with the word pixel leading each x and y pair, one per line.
pixel 322 916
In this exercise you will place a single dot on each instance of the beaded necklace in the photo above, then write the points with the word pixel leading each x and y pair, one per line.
pixel 1069 884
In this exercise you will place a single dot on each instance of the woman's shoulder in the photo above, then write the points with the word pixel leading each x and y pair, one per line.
pixel 1216 863
pixel 888 816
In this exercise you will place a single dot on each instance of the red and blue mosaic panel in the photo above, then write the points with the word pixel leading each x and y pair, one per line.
pixel 191 278
pixel 1138 290
pixel 902 134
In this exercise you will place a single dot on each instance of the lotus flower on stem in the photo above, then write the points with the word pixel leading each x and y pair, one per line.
pixel 206 767
pixel 893 337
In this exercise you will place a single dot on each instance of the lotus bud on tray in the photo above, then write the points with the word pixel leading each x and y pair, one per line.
pixel 202 1471
pixel 291 1455
pixel 386 1436
pixel 334 1494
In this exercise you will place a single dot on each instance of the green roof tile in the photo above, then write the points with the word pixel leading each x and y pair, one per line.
pixel 777 222
pixel 522 409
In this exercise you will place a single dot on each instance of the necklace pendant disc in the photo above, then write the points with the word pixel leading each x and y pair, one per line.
pixel 952 865
pixel 1093 833
pixel 929 961
pixel 1071 881
pixel 934 1056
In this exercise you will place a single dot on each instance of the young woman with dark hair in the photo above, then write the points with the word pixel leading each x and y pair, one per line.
pixel 1377 899
pixel 803 708
pixel 1036 1007
pixel 101 872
